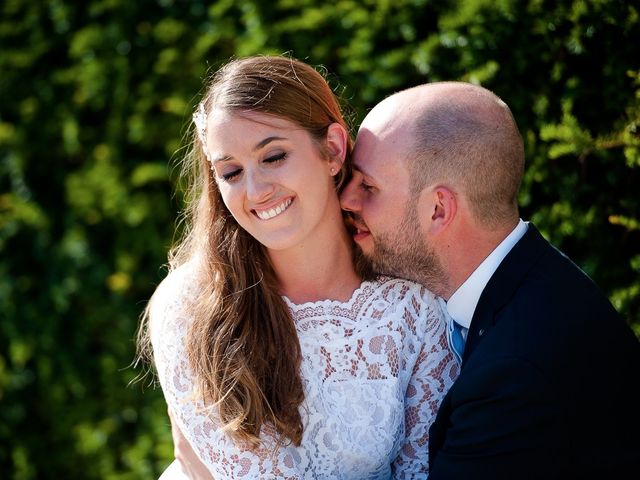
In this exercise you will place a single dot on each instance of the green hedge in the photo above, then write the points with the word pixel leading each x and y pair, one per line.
pixel 96 96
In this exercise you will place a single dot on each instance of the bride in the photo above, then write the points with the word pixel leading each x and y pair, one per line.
pixel 278 355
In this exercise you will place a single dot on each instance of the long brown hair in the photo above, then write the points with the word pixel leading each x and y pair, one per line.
pixel 242 344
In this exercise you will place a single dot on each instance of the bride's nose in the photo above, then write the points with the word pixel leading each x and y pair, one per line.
pixel 259 187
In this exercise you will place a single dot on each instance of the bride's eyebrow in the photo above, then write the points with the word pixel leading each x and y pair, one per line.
pixel 258 146
pixel 266 141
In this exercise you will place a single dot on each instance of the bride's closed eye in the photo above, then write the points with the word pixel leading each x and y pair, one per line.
pixel 229 176
pixel 276 158
pixel 233 174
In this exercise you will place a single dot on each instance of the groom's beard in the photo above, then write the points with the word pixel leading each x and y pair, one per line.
pixel 404 253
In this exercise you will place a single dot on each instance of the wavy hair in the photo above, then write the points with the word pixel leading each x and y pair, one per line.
pixel 242 344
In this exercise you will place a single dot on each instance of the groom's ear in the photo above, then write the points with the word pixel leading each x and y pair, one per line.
pixel 442 207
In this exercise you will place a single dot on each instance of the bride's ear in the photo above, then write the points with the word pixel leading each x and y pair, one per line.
pixel 336 145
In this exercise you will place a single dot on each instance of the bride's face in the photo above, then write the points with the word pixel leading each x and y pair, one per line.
pixel 272 177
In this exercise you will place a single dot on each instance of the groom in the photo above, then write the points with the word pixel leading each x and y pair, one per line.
pixel 550 379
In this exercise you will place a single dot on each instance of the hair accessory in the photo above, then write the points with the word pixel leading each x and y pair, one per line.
pixel 200 119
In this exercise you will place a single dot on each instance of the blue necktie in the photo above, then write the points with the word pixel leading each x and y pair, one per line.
pixel 456 340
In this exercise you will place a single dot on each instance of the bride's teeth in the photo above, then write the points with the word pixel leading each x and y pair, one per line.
pixel 272 212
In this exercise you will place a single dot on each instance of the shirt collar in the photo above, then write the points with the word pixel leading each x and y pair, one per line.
pixel 464 300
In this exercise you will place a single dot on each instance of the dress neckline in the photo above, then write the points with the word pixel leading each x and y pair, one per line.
pixel 332 303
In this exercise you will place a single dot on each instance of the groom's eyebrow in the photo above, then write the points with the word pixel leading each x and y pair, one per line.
pixel 361 170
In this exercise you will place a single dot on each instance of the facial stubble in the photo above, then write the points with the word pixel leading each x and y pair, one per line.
pixel 404 252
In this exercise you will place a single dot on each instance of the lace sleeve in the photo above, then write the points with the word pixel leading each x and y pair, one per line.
pixel 434 371
pixel 170 321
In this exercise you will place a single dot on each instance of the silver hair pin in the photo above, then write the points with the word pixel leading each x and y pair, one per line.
pixel 200 119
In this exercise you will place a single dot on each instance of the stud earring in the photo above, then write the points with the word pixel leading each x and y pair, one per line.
pixel 333 171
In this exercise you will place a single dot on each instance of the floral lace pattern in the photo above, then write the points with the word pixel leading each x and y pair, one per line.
pixel 374 371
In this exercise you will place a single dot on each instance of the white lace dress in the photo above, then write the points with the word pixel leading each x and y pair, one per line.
pixel 374 370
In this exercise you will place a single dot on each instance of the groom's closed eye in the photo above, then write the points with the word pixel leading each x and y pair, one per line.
pixel 365 186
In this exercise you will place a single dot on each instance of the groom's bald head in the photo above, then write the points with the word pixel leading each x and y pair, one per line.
pixel 462 136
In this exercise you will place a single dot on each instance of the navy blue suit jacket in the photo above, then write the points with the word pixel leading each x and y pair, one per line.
pixel 550 379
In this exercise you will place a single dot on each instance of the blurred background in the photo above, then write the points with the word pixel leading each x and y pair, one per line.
pixel 95 100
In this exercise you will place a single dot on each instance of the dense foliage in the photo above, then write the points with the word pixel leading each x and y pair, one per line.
pixel 95 97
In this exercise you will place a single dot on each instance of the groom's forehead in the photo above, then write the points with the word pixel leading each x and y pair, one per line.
pixel 384 169
pixel 385 145
pixel 367 150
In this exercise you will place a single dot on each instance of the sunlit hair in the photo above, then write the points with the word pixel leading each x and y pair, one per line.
pixel 242 344
pixel 474 143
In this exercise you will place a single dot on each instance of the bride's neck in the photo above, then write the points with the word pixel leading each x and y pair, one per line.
pixel 320 269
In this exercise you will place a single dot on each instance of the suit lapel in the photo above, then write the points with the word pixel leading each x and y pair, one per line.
pixel 503 284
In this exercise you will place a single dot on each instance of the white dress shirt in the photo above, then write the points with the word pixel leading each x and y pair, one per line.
pixel 464 300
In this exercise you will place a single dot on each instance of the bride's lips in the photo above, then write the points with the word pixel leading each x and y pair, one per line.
pixel 273 210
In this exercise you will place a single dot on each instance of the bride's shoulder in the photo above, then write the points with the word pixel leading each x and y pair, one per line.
pixel 181 282
pixel 395 289
pixel 420 309
pixel 173 296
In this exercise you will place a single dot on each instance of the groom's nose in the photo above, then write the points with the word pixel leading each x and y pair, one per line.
pixel 350 196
